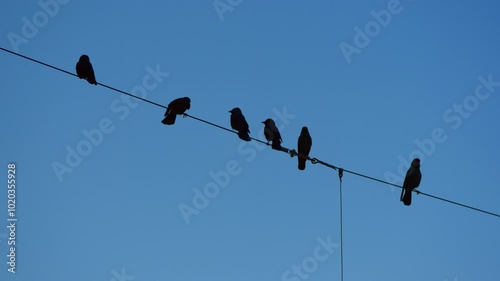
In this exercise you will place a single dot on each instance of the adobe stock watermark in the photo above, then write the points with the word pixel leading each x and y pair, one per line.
pixel 92 138
pixel 121 276
pixel 30 26
pixel 363 37
pixel 310 264
pixel 221 179
pixel 223 6
pixel 454 118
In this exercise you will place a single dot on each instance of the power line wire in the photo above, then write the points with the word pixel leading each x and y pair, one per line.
pixel 220 127
pixel 286 150
pixel 67 72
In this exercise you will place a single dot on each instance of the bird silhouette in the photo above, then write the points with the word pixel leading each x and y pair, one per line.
pixel 272 134
pixel 177 106
pixel 304 147
pixel 84 70
pixel 239 124
pixel 412 181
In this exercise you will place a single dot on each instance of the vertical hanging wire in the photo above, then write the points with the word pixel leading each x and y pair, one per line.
pixel 341 173
pixel 291 152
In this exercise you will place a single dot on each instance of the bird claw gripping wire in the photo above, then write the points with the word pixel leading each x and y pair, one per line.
pixel 292 153
pixel 315 161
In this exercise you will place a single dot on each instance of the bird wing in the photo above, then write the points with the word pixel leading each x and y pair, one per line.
pixel 169 108
pixel 234 123
pixel 80 70
pixel 304 144
pixel 244 124
pixel 275 131
pixel 278 135
pixel 268 133
pixel 418 177
pixel 410 178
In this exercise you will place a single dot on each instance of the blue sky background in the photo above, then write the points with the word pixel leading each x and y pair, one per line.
pixel 119 208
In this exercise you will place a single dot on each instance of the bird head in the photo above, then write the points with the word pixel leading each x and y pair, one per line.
pixel 85 58
pixel 268 121
pixel 416 163
pixel 304 130
pixel 235 110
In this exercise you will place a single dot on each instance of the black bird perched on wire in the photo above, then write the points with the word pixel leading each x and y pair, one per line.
pixel 304 147
pixel 239 123
pixel 412 180
pixel 272 134
pixel 84 69
pixel 177 106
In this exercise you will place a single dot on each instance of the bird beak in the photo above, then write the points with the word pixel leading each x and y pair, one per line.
pixel 230 111
pixel 263 122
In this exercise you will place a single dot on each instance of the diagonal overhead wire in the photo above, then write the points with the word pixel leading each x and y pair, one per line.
pixel 70 73
pixel 292 153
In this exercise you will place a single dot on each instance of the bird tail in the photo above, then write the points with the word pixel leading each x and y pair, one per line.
pixel 244 136
pixel 169 119
pixel 276 145
pixel 91 79
pixel 406 198
pixel 302 164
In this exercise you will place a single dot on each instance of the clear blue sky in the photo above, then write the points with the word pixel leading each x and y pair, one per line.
pixel 414 80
